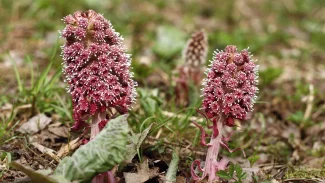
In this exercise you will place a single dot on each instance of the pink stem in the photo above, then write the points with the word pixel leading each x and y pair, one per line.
pixel 212 165
pixel 215 128
pixel 96 119
pixel 213 151
pixel 106 177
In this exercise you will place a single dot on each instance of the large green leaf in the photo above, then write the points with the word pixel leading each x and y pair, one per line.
pixel 170 41
pixel 99 155
pixel 38 176
pixel 173 167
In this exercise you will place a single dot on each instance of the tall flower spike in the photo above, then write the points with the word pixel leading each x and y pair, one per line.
pixel 229 93
pixel 96 66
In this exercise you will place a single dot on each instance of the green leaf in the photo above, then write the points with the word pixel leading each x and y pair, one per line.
pixel 266 181
pixel 170 40
pixel 19 81
pixel 223 174
pixel 231 170
pixel 39 176
pixel 252 159
pixel 243 176
pixel 135 141
pixel 41 80
pixel 297 117
pixel 99 155
pixel 239 171
pixel 269 75
pixel 172 169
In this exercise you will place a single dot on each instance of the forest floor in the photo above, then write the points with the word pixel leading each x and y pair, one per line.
pixel 286 132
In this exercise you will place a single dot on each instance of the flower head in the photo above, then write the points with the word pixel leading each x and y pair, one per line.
pixel 96 66
pixel 196 49
pixel 230 86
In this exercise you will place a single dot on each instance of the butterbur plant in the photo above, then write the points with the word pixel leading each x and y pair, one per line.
pixel 229 93
pixel 96 68
pixel 194 56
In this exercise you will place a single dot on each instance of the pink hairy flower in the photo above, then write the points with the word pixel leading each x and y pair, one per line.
pixel 232 76
pixel 229 94
pixel 96 66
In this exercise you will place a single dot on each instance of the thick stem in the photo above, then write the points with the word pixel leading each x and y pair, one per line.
pixel 95 120
pixel 213 151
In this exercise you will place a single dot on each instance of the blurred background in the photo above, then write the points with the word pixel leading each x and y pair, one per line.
pixel 287 37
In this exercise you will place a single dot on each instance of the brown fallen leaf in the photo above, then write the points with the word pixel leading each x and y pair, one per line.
pixel 35 124
pixel 313 162
pixel 59 129
pixel 54 136
pixel 143 174
pixel 180 179
pixel 45 150
pixel 71 146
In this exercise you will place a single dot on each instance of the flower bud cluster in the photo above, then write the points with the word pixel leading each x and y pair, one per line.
pixel 96 66
pixel 230 86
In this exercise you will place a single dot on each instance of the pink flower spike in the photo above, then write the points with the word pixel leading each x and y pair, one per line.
pixel 237 72
pixel 96 66
pixel 229 93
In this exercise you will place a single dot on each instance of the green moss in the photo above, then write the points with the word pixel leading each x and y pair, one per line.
pixel 305 173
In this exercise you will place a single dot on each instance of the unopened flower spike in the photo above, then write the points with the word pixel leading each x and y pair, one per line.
pixel 96 67
pixel 196 49
pixel 192 71
pixel 229 93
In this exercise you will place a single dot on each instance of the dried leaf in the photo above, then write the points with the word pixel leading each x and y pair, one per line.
pixel 59 129
pixel 46 150
pixel 35 124
pixel 143 174
pixel 71 146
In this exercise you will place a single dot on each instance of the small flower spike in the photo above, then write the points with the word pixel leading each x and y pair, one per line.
pixel 194 55
pixel 196 50
pixel 96 66
pixel 229 93
pixel 192 71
